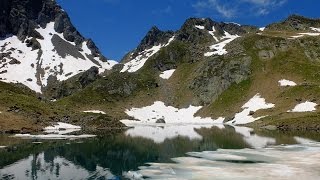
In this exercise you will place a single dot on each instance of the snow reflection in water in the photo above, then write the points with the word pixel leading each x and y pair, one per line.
pixel 276 162
pixel 39 167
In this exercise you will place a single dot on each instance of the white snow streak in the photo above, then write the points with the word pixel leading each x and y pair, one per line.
pixel 138 62
pixel 262 28
pixel 95 111
pixel 218 48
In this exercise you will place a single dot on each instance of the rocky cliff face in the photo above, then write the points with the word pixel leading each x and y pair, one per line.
pixel 40 46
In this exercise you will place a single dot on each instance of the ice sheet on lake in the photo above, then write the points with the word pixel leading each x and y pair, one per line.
pixel 277 162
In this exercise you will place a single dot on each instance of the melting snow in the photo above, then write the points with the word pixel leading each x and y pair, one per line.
pixel 254 104
pixel 138 62
pixel 58 131
pixel 284 82
pixel 1 147
pixel 95 111
pixel 275 162
pixel 304 107
pixel 171 115
pixel 199 27
pixel 262 28
pixel 218 49
pixel 304 34
pixel 167 74
pixel 315 29
pixel 212 34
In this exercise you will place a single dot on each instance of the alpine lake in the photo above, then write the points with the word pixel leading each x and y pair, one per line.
pixel 165 152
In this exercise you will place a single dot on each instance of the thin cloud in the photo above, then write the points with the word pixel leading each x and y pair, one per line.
pixel 224 10
pixel 230 9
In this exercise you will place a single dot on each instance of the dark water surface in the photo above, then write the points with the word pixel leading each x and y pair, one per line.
pixel 121 155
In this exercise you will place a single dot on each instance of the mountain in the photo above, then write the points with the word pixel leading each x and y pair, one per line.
pixel 40 50
pixel 238 72
pixel 39 45
pixel 226 72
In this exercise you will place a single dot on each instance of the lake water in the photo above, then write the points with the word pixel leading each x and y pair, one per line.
pixel 163 152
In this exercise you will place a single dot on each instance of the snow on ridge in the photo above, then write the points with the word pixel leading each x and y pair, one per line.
pixel 212 34
pixel 135 64
pixel 25 71
pixel 284 82
pixel 218 48
pixel 262 28
pixel 167 74
pixel 233 23
pixel 254 104
pixel 95 111
pixel 305 107
pixel 199 27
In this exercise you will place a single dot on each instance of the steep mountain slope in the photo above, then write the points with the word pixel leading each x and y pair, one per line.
pixel 43 55
pixel 224 67
pixel 40 46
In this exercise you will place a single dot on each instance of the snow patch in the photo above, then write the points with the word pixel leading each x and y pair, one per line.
pixel 304 34
pixel 135 64
pixel 284 82
pixel 304 107
pixel 167 74
pixel 1 147
pixel 199 27
pixel 95 111
pixel 254 104
pixel 315 29
pixel 262 28
pixel 218 48
pixel 171 115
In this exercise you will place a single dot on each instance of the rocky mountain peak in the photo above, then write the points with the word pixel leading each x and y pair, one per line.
pixel 38 36
pixel 154 37
pixel 295 23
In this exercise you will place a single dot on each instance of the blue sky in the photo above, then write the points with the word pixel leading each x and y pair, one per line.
pixel 117 26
